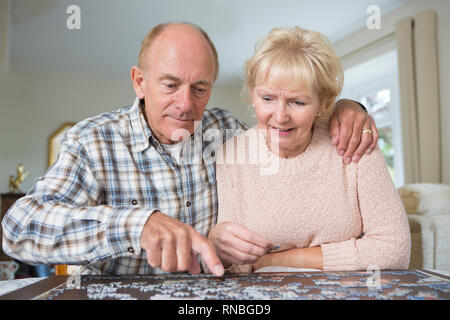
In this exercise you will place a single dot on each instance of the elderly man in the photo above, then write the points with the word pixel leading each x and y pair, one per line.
pixel 124 195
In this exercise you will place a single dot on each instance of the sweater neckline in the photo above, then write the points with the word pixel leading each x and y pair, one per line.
pixel 298 164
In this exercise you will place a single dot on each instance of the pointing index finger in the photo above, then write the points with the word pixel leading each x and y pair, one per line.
pixel 206 249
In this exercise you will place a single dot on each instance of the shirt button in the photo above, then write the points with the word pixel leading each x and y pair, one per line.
pixel 130 250
pixel 188 203
pixel 134 202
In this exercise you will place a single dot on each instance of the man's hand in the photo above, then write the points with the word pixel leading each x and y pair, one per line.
pixel 235 244
pixel 346 129
pixel 171 246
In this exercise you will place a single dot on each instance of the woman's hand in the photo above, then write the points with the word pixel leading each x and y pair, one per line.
pixel 287 258
pixel 310 257
pixel 265 261
pixel 235 244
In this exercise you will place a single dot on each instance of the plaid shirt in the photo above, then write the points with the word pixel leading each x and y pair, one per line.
pixel 90 207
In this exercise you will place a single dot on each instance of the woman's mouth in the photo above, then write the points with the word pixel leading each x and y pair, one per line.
pixel 282 131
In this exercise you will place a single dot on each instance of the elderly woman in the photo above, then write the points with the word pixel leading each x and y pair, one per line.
pixel 285 196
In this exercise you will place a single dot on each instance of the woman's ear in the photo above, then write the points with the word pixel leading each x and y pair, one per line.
pixel 137 78
pixel 325 105
pixel 251 95
pixel 322 109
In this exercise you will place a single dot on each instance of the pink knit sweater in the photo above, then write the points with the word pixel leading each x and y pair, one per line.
pixel 352 211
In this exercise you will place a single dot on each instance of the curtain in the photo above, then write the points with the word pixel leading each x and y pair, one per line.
pixel 419 97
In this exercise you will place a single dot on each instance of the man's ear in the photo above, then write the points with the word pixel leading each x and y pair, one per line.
pixel 137 77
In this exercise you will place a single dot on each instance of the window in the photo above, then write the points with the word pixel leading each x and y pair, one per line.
pixel 374 83
pixel 378 104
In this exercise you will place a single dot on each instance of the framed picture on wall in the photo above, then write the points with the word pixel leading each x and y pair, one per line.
pixel 54 142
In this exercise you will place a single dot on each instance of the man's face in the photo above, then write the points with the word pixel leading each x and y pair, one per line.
pixel 177 82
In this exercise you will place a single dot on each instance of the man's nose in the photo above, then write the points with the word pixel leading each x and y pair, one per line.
pixel 185 99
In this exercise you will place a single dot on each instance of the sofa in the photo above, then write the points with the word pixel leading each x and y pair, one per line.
pixel 428 208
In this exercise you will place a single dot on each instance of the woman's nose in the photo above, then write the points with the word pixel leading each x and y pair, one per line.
pixel 281 113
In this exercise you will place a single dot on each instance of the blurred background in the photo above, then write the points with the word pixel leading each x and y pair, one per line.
pixel 52 74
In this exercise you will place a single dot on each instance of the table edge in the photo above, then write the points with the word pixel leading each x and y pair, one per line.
pixel 36 289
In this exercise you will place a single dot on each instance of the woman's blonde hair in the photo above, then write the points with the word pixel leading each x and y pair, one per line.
pixel 295 58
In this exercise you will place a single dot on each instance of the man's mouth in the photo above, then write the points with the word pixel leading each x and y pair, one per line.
pixel 181 119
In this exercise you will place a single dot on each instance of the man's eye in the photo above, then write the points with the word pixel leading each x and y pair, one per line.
pixel 299 103
pixel 200 91
pixel 170 85
pixel 266 98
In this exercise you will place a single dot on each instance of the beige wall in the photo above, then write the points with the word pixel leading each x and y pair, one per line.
pixel 365 36
pixel 4 34
pixel 33 105
pixel 230 97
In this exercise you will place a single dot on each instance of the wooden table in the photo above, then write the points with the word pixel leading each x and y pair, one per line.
pixel 370 285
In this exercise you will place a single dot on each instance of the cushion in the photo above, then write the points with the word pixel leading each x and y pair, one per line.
pixel 425 198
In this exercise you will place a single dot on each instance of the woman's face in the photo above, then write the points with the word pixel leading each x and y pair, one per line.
pixel 287 115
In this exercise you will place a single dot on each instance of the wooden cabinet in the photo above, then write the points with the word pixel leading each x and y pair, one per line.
pixel 7 200
pixel 25 271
